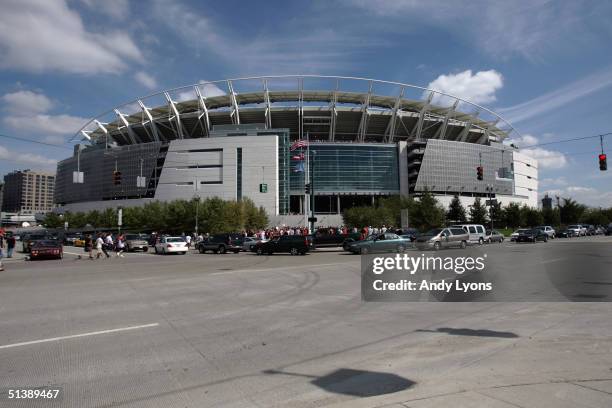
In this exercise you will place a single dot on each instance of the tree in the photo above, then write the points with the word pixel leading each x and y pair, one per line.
pixel 551 216
pixel 478 212
pixel 532 216
pixel 595 216
pixel 513 216
pixel 53 220
pixel 427 212
pixel 456 212
pixel 570 211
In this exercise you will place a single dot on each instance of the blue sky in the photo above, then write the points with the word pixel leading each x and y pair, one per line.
pixel 546 66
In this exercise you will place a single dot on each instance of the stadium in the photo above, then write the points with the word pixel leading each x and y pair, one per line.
pixel 233 139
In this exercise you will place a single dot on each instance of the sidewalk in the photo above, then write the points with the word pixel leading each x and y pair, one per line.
pixel 568 363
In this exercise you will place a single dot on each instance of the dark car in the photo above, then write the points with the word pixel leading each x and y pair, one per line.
pixel 532 235
pixel 565 233
pixel 29 240
pixel 293 244
pixel 609 230
pixel 46 249
pixel 221 243
pixel 322 239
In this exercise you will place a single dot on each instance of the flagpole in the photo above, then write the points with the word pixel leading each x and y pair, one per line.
pixel 306 180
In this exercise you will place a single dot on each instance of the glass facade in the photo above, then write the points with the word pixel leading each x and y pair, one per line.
pixel 450 167
pixel 349 168
pixel 239 173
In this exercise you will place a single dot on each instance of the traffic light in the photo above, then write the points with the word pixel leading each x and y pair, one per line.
pixel 480 173
pixel 116 178
pixel 603 162
pixel 307 188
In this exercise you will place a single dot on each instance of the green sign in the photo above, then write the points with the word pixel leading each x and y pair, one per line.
pixel 263 188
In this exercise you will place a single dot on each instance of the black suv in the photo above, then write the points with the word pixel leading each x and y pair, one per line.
pixel 294 244
pixel 221 243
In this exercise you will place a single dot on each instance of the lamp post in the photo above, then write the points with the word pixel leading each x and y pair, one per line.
pixel 196 199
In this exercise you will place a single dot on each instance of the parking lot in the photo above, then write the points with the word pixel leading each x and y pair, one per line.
pixel 246 330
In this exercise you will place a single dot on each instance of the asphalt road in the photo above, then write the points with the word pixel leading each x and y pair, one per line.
pixel 243 330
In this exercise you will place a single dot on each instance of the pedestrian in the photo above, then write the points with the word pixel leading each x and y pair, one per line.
pixel 188 240
pixel 1 246
pixel 89 246
pixel 120 247
pixel 109 244
pixel 100 247
pixel 10 245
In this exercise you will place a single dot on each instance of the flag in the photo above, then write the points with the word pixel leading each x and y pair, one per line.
pixel 297 144
pixel 299 167
pixel 298 157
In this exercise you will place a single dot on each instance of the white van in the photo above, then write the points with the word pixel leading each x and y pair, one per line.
pixel 476 232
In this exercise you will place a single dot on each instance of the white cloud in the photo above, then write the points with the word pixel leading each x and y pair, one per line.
pixel 28 113
pixel 207 90
pixel 26 158
pixel 26 101
pixel 302 48
pixel 477 88
pixel 555 181
pixel 528 28
pixel 40 36
pixel 146 80
pixel 118 9
pixel 558 98
pixel 547 159
pixel 585 195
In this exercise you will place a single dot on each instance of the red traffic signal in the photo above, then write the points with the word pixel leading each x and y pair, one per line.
pixel 603 162
pixel 480 172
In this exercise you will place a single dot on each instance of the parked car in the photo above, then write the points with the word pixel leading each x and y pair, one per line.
pixel 475 231
pixel 293 244
pixel 548 230
pixel 532 235
pixel 410 233
pixel 221 243
pixel 516 233
pixel 29 240
pixel 249 243
pixel 590 230
pixel 135 242
pixel 322 239
pixel 48 248
pixel 70 239
pixel 609 230
pixel 169 245
pixel 439 238
pixel 494 236
pixel 387 242
pixel 577 229
pixel 566 233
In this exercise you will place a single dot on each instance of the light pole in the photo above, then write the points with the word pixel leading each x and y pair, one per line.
pixel 196 199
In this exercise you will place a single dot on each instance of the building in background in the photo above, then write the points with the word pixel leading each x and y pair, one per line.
pixel 28 192
pixel 231 139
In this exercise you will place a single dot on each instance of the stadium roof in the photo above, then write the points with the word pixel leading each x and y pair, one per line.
pixel 327 108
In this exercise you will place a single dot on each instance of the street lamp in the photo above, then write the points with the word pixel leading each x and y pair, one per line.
pixel 196 199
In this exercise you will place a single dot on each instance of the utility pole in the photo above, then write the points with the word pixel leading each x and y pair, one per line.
pixel 197 204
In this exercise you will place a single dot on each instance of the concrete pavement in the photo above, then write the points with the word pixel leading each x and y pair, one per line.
pixel 242 330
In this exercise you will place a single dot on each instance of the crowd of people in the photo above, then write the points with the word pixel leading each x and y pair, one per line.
pixel 104 245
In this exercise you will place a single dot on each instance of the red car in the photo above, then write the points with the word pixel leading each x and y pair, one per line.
pixel 48 249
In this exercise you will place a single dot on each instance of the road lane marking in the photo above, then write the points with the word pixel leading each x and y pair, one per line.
pixel 74 336
pixel 553 260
